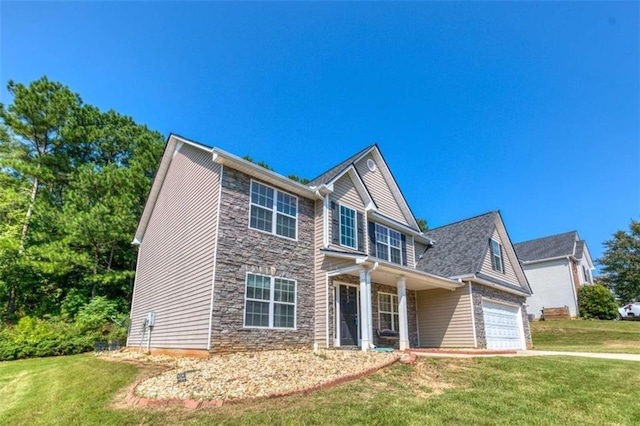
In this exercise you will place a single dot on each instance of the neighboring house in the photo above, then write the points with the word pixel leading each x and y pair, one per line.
pixel 556 267
pixel 236 257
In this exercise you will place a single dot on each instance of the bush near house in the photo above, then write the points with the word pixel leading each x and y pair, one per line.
pixel 597 302
pixel 35 337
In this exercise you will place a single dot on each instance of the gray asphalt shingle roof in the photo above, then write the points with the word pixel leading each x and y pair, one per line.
pixel 459 247
pixel 547 247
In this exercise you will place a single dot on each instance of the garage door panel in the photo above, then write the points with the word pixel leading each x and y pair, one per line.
pixel 502 329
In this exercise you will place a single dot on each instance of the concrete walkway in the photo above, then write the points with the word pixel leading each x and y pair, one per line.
pixel 624 357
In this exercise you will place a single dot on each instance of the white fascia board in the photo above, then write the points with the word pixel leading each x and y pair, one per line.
pixel 222 157
pixel 395 189
pixel 409 272
pixel 585 251
pixel 548 259
pixel 472 277
pixel 339 255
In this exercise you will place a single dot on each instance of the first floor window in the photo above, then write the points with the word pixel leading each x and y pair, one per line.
pixel 496 256
pixel 270 302
pixel 388 312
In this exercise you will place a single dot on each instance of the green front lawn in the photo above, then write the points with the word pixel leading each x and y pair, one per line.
pixel 587 336
pixel 529 390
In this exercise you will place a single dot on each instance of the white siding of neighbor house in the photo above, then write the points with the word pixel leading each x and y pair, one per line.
pixel 380 191
pixel 445 319
pixel 176 257
pixel 509 274
pixel 551 286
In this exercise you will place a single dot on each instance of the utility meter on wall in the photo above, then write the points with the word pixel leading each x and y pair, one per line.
pixel 151 319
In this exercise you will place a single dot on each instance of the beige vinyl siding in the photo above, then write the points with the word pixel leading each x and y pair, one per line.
pixel 445 319
pixel 411 256
pixel 320 328
pixel 380 191
pixel 345 193
pixel 175 263
pixel 509 274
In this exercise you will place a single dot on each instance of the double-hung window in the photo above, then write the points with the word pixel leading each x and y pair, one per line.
pixel 348 229
pixel 273 211
pixel 496 256
pixel 388 318
pixel 270 302
pixel 388 244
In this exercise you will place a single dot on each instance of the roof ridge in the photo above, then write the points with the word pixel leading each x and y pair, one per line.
pixel 336 169
pixel 547 236
pixel 463 220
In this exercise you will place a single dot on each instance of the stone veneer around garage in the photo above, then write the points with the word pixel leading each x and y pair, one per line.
pixel 479 292
pixel 241 250
pixel 412 316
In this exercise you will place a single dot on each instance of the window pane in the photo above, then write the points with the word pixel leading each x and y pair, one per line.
pixel 347 227
pixel 287 204
pixel 261 195
pixel 384 302
pixel 382 251
pixel 258 287
pixel 283 315
pixel 394 303
pixel 284 291
pixel 257 314
pixel 285 226
pixel 382 234
pixel 394 239
pixel 385 322
pixel 261 219
pixel 396 255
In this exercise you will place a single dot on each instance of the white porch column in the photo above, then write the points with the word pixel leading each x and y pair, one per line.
pixel 363 318
pixel 402 313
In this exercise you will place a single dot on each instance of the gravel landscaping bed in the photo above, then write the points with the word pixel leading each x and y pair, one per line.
pixel 252 374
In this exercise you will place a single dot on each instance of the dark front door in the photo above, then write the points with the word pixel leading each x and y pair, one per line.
pixel 348 316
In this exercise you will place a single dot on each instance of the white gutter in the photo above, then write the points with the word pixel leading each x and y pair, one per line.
pixel 548 259
pixel 472 277
pixel 406 229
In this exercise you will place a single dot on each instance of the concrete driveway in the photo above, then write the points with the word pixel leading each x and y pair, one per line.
pixel 623 357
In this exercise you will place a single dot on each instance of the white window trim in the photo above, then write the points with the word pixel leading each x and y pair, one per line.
pixel 388 243
pixel 396 327
pixel 355 226
pixel 274 211
pixel 499 256
pixel 271 302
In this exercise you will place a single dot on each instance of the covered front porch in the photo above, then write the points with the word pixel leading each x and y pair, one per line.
pixel 371 297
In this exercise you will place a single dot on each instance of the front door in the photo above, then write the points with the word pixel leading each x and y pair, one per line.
pixel 348 315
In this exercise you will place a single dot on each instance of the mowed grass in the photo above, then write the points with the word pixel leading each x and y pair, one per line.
pixel 525 391
pixel 587 336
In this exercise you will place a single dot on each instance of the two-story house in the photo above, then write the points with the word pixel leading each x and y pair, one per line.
pixel 233 256
pixel 556 267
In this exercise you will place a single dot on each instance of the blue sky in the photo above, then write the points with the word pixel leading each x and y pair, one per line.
pixel 529 108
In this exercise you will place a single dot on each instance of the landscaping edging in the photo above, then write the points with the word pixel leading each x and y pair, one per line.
pixel 132 399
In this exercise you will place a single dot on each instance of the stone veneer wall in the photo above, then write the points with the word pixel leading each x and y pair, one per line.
pixel 412 316
pixel 241 250
pixel 479 292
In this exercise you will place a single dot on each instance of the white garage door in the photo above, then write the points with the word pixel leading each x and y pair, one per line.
pixel 501 325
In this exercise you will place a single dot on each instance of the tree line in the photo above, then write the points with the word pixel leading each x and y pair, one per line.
pixel 73 182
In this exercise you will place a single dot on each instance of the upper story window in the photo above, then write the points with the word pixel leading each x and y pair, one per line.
pixel 347 227
pixel 587 275
pixel 270 302
pixel 388 244
pixel 273 211
pixel 496 256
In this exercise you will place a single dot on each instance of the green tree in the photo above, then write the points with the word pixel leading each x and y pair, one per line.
pixel 621 263
pixel 422 223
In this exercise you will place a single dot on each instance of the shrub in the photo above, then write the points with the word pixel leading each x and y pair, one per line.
pixel 596 301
